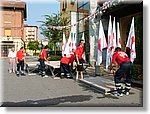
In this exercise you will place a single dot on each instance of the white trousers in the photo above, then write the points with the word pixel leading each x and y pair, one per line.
pixel 12 65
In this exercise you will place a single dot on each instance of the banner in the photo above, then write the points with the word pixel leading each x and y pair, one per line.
pixel 114 36
pixel 103 8
pixel 109 42
pixel 131 41
pixel 63 44
pixel 83 38
pixel 101 43
pixel 118 36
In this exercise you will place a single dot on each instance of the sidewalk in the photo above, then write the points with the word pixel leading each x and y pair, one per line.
pixel 105 82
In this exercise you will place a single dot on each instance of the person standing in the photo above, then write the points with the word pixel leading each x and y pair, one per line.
pixel 12 60
pixel 43 58
pixel 20 59
pixel 122 59
pixel 78 56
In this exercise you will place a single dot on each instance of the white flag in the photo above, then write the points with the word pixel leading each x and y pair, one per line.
pixel 83 38
pixel 109 42
pixel 101 43
pixel 118 36
pixel 74 41
pixel 114 36
pixel 63 44
pixel 68 46
pixel 131 41
pixel 70 41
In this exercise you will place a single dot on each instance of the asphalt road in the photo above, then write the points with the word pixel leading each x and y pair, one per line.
pixel 44 92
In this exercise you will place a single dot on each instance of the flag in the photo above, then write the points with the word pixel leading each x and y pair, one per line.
pixel 101 43
pixel 68 46
pixel 109 42
pixel 118 36
pixel 131 41
pixel 114 36
pixel 83 38
pixel 63 44
pixel 74 41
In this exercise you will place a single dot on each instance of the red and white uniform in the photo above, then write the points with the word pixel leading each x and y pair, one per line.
pixel 120 57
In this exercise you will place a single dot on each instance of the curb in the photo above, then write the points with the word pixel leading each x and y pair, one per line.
pixel 96 87
pixel 105 90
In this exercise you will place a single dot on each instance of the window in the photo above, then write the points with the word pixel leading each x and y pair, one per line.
pixel 7 18
pixel 64 5
pixel 72 2
pixel 7 32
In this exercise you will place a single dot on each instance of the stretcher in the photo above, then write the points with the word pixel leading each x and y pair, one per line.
pixel 33 68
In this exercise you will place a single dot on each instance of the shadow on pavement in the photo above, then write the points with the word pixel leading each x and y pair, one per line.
pixel 48 102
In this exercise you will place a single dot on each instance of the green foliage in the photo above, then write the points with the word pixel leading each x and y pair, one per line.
pixel 137 72
pixel 53 20
pixel 33 45
pixel 54 58
pixel 139 39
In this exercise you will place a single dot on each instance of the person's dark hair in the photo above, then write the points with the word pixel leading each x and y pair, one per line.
pixel 117 49
pixel 81 40
pixel 46 47
pixel 21 47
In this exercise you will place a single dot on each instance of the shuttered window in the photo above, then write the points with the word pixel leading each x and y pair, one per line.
pixel 7 32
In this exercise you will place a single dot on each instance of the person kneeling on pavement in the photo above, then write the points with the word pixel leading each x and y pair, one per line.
pixel 122 59
pixel 64 66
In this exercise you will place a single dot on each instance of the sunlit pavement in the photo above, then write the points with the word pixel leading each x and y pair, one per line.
pixel 37 91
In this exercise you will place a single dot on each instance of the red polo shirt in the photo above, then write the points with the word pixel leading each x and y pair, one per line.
pixel 65 60
pixel 43 54
pixel 20 55
pixel 120 57
pixel 79 51
pixel 72 58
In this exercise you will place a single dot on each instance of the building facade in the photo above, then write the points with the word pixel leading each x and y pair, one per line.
pixel 13 15
pixel 122 10
pixel 68 9
pixel 30 34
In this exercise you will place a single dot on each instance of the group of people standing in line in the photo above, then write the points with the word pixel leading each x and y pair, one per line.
pixel 119 57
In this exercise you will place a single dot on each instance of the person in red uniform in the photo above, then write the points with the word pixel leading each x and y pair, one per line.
pixel 20 60
pixel 79 52
pixel 43 58
pixel 72 58
pixel 79 60
pixel 64 66
pixel 121 58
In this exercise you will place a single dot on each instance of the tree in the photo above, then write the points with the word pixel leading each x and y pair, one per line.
pixel 53 20
pixel 33 45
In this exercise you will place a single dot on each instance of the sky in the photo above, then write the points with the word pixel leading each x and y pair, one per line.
pixel 36 9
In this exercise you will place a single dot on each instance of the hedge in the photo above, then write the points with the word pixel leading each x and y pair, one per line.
pixel 54 58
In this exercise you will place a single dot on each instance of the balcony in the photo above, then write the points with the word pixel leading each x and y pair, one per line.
pixel 6 39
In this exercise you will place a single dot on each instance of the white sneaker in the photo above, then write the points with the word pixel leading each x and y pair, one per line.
pixel 127 93
pixel 118 94
pixel 10 71
pixel 45 76
pixel 56 78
